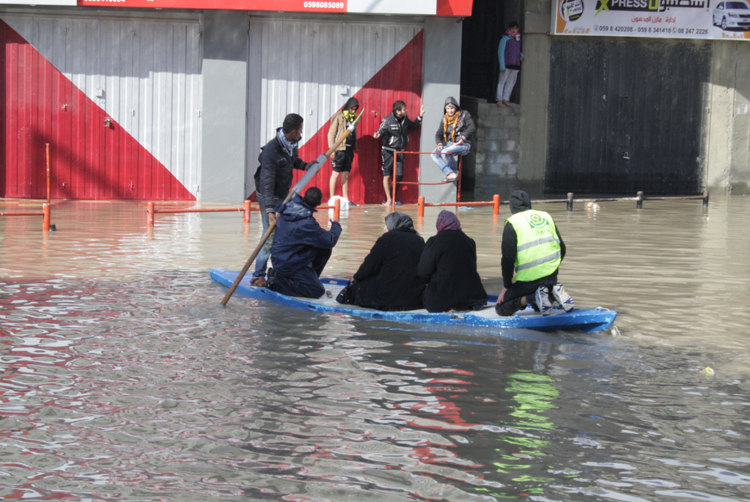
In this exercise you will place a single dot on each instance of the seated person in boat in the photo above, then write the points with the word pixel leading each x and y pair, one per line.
pixel 387 279
pixel 533 249
pixel 449 264
pixel 301 247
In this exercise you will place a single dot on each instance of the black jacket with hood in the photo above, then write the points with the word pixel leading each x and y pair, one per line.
pixel 464 130
pixel 387 279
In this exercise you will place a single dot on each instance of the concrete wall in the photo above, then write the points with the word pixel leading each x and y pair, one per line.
pixel 727 130
pixel 442 78
pixel 224 105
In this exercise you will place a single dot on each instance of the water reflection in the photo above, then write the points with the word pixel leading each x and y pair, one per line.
pixel 122 378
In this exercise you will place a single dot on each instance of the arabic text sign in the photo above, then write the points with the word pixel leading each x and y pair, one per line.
pixel 708 19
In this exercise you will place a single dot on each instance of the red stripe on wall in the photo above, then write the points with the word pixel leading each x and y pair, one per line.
pixel 399 79
pixel 40 105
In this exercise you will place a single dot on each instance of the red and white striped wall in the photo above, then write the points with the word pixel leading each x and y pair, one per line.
pixel 118 100
pixel 313 68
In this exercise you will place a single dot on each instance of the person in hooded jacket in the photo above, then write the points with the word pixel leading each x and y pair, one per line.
pixel 342 161
pixel 532 252
pixel 453 137
pixel 387 279
pixel 301 248
pixel 509 56
pixel 449 264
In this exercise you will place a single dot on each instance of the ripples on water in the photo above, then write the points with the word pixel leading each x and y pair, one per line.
pixel 121 377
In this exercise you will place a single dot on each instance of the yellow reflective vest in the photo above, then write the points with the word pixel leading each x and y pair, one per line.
pixel 538 245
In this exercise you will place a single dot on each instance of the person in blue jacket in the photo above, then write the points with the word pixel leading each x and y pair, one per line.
pixel 510 56
pixel 301 248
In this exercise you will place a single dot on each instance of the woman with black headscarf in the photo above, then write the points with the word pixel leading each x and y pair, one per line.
pixel 387 279
pixel 449 264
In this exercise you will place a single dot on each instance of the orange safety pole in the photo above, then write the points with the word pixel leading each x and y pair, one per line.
pixel 393 200
pixel 458 189
pixel 420 206
pixel 149 214
pixel 336 209
pixel 495 204
pixel 47 173
pixel 46 211
pixel 246 216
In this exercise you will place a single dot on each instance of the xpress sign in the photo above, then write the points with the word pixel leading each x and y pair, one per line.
pixel 704 19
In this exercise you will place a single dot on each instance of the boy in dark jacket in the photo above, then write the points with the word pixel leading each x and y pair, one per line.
pixel 273 179
pixel 452 137
pixel 449 264
pixel 395 132
pixel 387 279
pixel 301 247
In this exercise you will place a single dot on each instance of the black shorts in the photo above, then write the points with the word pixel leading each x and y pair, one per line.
pixel 388 164
pixel 342 161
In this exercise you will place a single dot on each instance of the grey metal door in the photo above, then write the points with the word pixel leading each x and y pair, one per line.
pixel 626 116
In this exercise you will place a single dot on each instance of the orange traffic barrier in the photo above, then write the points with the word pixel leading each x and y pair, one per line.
pixel 458 189
pixel 420 206
pixel 45 213
pixel 336 209
pixel 495 205
pixel 45 221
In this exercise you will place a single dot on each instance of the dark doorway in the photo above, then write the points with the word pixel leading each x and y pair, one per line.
pixel 626 116
pixel 481 36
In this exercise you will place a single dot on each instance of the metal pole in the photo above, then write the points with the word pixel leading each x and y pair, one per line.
pixel 46 211
pixel 639 200
pixel 47 172
pixel 420 207
pixel 495 205
pixel 458 187
pixel 393 200
pixel 246 216
pixel 705 197
pixel 570 201
pixel 336 209
pixel 149 214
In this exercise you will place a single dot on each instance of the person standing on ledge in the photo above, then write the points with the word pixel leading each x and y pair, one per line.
pixel 273 179
pixel 510 56
pixel 395 132
pixel 533 249
pixel 453 137
pixel 342 161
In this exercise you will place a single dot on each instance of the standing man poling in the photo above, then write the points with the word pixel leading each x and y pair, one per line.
pixel 342 162
pixel 394 130
pixel 533 249
pixel 453 137
pixel 510 56
pixel 273 179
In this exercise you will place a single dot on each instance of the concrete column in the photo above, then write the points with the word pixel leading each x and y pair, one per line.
pixel 534 101
pixel 224 106
pixel 442 78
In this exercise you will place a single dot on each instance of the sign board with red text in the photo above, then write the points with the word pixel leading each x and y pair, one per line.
pixel 692 19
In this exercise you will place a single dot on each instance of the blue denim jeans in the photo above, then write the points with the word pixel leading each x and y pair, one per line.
pixel 261 261
pixel 444 158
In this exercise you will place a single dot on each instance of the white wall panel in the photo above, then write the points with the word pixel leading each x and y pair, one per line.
pixel 300 66
pixel 145 73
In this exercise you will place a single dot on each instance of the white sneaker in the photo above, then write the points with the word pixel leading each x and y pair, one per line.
pixel 542 300
pixel 562 297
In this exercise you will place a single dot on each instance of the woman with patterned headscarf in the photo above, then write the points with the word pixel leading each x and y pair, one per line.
pixel 387 279
pixel 449 264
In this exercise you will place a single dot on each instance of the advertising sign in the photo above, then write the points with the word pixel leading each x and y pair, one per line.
pixel 705 19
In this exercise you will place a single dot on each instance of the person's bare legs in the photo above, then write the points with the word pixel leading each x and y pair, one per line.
pixel 332 183
pixel 387 189
pixel 345 185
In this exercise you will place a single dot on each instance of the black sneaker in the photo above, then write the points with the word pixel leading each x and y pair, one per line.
pixel 352 204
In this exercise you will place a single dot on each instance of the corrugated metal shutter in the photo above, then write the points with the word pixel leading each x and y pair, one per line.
pixel 144 74
pixel 312 68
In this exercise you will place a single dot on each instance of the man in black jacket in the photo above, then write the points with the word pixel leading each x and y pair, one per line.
pixel 395 132
pixel 273 179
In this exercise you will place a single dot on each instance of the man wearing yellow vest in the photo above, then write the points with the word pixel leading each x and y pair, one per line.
pixel 533 249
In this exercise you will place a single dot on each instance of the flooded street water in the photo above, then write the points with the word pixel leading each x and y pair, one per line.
pixel 123 378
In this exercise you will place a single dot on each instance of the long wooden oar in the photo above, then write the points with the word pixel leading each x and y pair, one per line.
pixel 311 171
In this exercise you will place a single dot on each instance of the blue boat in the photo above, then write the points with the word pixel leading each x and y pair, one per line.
pixel 587 320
